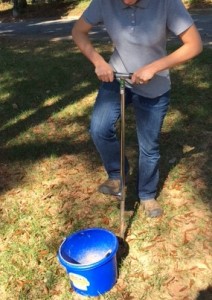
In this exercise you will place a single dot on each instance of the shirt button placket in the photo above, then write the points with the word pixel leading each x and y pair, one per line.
pixel 132 21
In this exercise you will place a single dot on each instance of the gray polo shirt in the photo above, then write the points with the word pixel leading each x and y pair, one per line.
pixel 139 35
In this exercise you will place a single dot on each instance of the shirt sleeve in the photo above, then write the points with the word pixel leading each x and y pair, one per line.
pixel 178 18
pixel 92 14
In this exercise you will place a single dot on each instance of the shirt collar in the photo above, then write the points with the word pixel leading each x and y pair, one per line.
pixel 140 4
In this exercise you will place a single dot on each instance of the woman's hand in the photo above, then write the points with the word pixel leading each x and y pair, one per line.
pixel 143 75
pixel 104 71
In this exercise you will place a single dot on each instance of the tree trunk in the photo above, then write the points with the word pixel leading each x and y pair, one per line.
pixel 18 7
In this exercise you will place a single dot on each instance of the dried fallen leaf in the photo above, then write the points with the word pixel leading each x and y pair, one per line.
pixel 191 283
pixel 177 288
pixel 199 184
pixel 105 220
pixel 137 275
pixel 56 292
pixel 42 253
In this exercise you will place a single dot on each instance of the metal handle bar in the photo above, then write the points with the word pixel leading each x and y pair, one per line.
pixel 122 75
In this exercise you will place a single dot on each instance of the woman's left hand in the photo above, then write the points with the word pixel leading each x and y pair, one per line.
pixel 143 75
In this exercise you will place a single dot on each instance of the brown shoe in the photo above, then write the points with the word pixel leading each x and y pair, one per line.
pixel 110 187
pixel 152 208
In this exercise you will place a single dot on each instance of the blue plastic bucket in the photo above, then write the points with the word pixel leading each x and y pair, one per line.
pixel 89 257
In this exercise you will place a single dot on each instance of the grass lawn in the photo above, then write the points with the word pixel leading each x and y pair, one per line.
pixel 49 171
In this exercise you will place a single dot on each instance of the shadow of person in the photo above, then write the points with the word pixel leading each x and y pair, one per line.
pixel 205 294
pixel 123 251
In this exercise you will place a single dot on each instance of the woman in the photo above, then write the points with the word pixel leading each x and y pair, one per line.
pixel 138 30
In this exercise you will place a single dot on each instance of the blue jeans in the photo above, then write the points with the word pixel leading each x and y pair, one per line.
pixel 149 114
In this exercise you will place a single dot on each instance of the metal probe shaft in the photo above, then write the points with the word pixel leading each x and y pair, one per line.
pixel 122 204
pixel 122 77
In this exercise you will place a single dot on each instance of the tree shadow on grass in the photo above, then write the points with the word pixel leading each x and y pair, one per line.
pixel 38 81
pixel 57 75
pixel 39 73
pixel 188 138
pixel 189 129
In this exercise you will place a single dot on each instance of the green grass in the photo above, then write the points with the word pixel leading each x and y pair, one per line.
pixel 49 170
pixel 197 3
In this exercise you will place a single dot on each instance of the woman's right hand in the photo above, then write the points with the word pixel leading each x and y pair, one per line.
pixel 104 71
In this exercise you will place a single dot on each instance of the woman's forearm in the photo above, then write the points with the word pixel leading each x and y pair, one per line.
pixel 192 46
pixel 80 37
